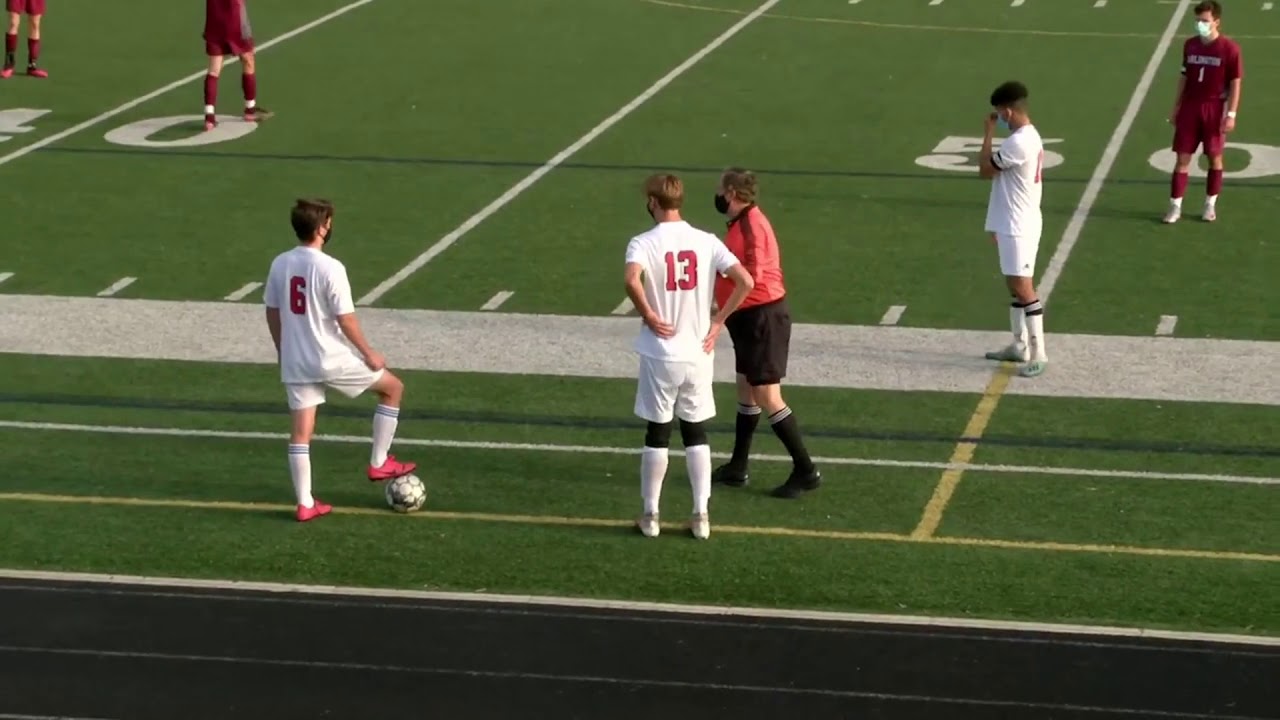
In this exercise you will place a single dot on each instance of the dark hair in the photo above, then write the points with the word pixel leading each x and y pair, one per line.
pixel 308 216
pixel 1012 93
pixel 1209 6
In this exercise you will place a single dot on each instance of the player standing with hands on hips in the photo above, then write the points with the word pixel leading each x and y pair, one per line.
pixel 312 319
pixel 1015 221
pixel 1205 111
pixel 761 333
pixel 669 275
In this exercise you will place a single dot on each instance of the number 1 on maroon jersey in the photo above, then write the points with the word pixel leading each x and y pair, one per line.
pixel 297 298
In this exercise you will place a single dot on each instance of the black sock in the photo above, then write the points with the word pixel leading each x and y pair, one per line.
pixel 748 419
pixel 788 431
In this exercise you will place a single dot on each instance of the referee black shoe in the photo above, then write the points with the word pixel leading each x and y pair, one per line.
pixel 728 475
pixel 798 484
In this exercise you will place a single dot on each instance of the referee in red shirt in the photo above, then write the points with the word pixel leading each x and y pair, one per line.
pixel 761 332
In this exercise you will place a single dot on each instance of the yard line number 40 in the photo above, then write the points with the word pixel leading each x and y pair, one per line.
pixel 141 133
pixel 958 153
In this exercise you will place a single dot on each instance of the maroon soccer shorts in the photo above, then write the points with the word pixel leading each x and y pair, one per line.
pixel 228 45
pixel 26 7
pixel 1196 124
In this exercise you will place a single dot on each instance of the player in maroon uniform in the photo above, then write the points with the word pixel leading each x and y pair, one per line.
pixel 1205 111
pixel 34 10
pixel 227 32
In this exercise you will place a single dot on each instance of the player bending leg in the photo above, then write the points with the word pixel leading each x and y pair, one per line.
pixel 1014 218
pixel 1205 110
pixel 227 32
pixel 34 10
pixel 670 272
pixel 311 316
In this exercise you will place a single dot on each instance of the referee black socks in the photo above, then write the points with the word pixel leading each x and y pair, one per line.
pixel 788 431
pixel 744 430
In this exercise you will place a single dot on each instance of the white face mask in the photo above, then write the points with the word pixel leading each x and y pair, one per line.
pixel 1204 28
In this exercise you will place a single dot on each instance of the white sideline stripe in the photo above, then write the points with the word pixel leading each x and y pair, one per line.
pixel 844 618
pixel 1267 6
pixel 1093 189
pixel 935 2
pixel 624 308
pixel 608 450
pixel 893 315
pixel 496 301
pixel 1016 3
pixel 5 276
pixel 243 292
pixel 117 286
pixel 1167 324
pixel 1100 3
pixel 172 86
pixel 447 241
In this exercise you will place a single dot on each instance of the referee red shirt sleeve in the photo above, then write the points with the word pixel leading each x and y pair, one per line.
pixel 751 239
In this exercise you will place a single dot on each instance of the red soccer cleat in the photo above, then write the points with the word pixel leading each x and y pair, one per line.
pixel 256 114
pixel 6 73
pixel 391 469
pixel 210 122
pixel 311 513
pixel 36 72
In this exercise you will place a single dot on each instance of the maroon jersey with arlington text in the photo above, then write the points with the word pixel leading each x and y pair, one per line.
pixel 1209 69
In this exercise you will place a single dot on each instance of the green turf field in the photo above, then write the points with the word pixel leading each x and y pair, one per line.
pixel 486 158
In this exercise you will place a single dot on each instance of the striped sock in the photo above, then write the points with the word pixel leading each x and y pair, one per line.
pixel 385 419
pixel 300 471
pixel 788 431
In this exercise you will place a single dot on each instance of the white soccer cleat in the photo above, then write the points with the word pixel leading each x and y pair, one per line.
pixel 1015 352
pixel 648 525
pixel 1210 213
pixel 1035 368
pixel 700 526
pixel 1175 212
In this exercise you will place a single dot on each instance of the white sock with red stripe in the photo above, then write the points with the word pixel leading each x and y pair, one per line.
pixel 300 470
pixel 385 420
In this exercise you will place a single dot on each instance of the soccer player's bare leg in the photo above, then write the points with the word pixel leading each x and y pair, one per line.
pixel 304 426
pixel 211 92
pixel 386 417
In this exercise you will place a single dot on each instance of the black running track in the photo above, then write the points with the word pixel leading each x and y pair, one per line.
pixel 120 652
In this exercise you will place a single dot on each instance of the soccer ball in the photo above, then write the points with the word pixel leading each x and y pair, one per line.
pixel 406 493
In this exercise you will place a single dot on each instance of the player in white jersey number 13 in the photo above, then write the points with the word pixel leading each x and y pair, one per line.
pixel 1015 222
pixel 670 276
pixel 319 344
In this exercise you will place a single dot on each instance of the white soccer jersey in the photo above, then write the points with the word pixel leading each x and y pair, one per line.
pixel 680 265
pixel 1014 205
pixel 311 290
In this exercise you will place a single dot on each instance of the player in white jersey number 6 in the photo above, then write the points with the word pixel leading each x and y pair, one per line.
pixel 311 316
pixel 1015 222
pixel 670 275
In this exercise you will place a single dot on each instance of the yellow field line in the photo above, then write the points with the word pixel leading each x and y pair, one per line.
pixel 619 523
pixel 934 28
pixel 963 453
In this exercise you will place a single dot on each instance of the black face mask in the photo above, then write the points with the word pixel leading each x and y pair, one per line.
pixel 722 204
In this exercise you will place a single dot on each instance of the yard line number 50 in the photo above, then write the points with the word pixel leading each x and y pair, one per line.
pixel 958 153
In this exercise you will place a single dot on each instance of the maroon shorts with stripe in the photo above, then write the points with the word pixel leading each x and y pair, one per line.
pixel 1197 124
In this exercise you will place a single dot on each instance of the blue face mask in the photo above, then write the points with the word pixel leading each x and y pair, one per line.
pixel 1002 124
pixel 1204 28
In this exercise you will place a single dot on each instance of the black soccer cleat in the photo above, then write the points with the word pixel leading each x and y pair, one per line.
pixel 798 484
pixel 731 476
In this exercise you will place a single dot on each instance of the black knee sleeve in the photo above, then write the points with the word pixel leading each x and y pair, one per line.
pixel 693 433
pixel 658 435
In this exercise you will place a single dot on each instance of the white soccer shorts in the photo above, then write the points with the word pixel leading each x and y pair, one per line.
pixel 352 380
pixel 1017 254
pixel 675 389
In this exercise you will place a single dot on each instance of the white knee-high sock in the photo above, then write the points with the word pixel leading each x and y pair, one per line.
pixel 1035 329
pixel 385 420
pixel 653 470
pixel 1018 323
pixel 300 471
pixel 698 460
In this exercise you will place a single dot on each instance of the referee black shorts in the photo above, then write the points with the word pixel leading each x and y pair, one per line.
pixel 761 337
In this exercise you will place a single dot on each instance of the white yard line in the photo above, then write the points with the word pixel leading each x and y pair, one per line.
pixel 626 307
pixel 496 301
pixel 608 450
pixel 1049 280
pixel 893 315
pixel 117 286
pixel 243 292
pixel 98 119
pixel 5 276
pixel 519 188
pixel 1167 324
